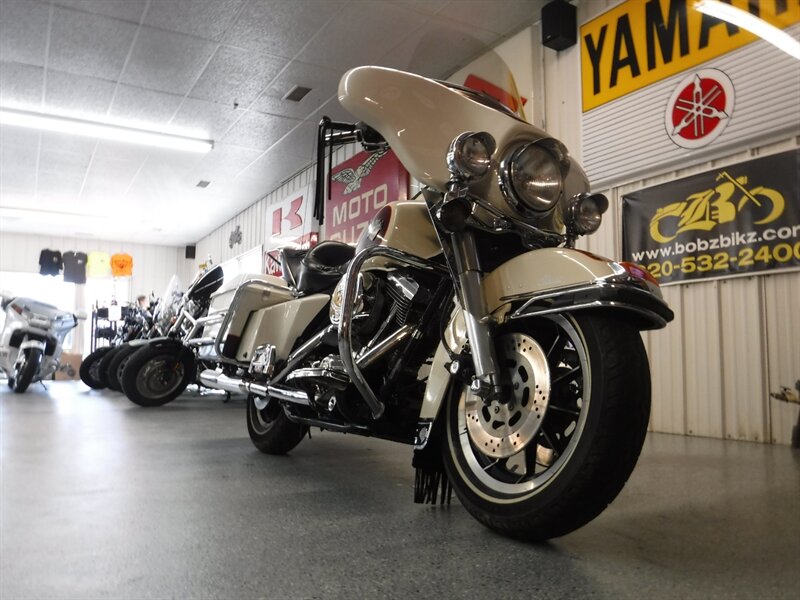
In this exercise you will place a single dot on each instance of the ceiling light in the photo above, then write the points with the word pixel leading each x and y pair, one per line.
pixel 106 131
pixel 297 93
pixel 775 36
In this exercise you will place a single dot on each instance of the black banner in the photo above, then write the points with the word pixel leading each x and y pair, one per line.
pixel 734 220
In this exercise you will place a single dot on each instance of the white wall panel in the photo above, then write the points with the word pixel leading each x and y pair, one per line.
pixel 744 359
pixel 152 265
pixel 665 351
pixel 781 301
pixel 702 359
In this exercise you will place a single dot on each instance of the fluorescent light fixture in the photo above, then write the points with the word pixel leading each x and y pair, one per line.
pixel 775 36
pixel 105 131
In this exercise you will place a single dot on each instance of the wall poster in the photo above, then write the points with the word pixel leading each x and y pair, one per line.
pixel 741 219
pixel 360 187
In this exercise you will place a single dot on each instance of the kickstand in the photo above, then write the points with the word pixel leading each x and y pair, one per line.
pixel 227 398
pixel 43 385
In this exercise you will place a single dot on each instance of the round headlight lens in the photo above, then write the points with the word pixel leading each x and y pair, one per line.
pixel 585 212
pixel 470 154
pixel 532 178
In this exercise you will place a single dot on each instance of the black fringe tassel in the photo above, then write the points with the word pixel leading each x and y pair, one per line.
pixel 431 485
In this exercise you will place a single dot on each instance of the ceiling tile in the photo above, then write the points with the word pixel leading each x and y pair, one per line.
pixel 236 75
pixel 274 167
pixel 499 16
pixel 429 52
pixel 127 10
pixel 57 185
pixel 226 159
pixel 78 95
pixel 19 137
pixel 378 30
pixel 17 185
pixel 167 62
pixel 23 31
pixel 146 108
pixel 333 110
pixel 21 85
pixel 279 27
pixel 258 131
pixel 323 83
pixel 15 155
pixel 300 143
pixel 205 118
pixel 89 44
pixel 428 7
pixel 208 19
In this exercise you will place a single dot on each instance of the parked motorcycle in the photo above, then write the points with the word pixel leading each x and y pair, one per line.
pixel 467 324
pixel 158 370
pixel 98 370
pixel 31 340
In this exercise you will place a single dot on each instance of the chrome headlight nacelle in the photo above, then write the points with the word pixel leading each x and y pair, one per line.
pixel 470 155
pixel 532 176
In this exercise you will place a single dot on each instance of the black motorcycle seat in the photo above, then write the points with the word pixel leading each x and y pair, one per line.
pixel 318 269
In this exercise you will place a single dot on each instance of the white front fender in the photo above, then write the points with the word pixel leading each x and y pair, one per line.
pixel 551 274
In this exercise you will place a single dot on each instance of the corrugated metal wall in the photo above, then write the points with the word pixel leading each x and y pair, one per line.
pixel 733 340
pixel 152 265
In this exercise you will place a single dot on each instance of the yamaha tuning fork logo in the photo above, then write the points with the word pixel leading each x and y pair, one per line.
pixel 699 109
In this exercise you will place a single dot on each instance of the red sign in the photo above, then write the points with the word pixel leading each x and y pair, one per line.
pixel 360 187
pixel 700 108
pixel 290 222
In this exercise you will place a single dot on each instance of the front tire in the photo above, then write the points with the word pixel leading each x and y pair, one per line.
pixel 580 424
pixel 117 365
pixel 25 370
pixel 270 429
pixel 90 368
pixel 156 375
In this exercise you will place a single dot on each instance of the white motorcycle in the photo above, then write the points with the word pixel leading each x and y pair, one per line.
pixel 466 325
pixel 32 339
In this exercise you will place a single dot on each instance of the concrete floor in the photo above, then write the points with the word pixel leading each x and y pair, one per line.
pixel 103 499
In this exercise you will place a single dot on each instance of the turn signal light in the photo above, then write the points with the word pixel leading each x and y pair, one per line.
pixel 639 272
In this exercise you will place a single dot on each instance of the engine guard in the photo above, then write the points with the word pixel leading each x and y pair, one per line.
pixel 547 281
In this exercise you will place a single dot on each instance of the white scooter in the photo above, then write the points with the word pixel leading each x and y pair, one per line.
pixel 32 339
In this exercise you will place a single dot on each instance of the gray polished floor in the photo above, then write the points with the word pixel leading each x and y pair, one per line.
pixel 102 499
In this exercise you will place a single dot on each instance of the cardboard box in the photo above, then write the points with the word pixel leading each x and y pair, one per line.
pixel 69 367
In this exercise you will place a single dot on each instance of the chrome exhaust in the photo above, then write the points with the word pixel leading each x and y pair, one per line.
pixel 219 381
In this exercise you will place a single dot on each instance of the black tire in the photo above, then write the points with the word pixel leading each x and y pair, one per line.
pixel 270 429
pixel 117 364
pixel 105 363
pixel 156 375
pixel 587 437
pixel 25 371
pixel 90 367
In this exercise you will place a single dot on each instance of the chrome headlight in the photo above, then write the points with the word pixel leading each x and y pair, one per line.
pixel 470 154
pixel 532 177
pixel 585 213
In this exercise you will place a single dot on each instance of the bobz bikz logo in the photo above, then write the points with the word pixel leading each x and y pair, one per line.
pixel 703 211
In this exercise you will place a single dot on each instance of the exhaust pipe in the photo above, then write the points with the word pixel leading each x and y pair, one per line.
pixel 219 381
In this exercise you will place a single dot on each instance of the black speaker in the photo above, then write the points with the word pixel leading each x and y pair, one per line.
pixel 190 250
pixel 559 25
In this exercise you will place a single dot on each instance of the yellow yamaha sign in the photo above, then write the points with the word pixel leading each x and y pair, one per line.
pixel 640 42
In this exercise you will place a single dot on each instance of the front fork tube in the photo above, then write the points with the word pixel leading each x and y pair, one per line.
pixel 476 318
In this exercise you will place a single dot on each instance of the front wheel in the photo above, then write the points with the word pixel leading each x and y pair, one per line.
pixel 117 365
pixel 90 368
pixel 25 368
pixel 270 429
pixel 155 375
pixel 562 444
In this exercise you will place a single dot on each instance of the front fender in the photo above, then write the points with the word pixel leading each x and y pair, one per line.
pixel 546 281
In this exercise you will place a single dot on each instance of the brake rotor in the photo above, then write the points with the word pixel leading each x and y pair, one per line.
pixel 500 430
